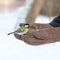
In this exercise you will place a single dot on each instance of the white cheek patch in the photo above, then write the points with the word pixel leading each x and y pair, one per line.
pixel 26 25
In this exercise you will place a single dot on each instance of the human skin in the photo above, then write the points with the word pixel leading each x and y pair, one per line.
pixel 40 34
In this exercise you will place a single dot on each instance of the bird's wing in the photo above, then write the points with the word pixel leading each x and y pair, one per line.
pixel 19 30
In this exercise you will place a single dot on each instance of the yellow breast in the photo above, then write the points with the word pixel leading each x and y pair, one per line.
pixel 26 31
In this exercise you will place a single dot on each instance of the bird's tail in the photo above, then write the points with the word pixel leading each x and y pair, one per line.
pixel 10 33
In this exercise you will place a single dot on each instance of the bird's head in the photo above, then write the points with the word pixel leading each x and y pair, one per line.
pixel 24 25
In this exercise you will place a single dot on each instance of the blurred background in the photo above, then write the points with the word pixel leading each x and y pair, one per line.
pixel 51 7
pixel 12 12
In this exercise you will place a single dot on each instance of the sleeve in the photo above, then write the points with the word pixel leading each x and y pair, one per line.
pixel 56 22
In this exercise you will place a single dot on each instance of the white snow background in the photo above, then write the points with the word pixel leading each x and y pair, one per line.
pixel 13 49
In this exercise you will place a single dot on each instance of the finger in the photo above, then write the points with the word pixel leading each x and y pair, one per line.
pixel 35 42
pixel 32 41
pixel 18 36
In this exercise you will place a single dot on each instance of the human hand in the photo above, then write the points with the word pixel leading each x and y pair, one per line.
pixel 40 34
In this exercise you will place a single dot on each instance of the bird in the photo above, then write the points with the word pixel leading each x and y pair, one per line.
pixel 24 28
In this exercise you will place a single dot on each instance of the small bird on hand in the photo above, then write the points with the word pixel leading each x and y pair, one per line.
pixel 24 28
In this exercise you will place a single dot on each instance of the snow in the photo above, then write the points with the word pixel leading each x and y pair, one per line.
pixel 13 49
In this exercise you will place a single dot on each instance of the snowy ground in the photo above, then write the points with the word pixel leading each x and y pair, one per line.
pixel 13 49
